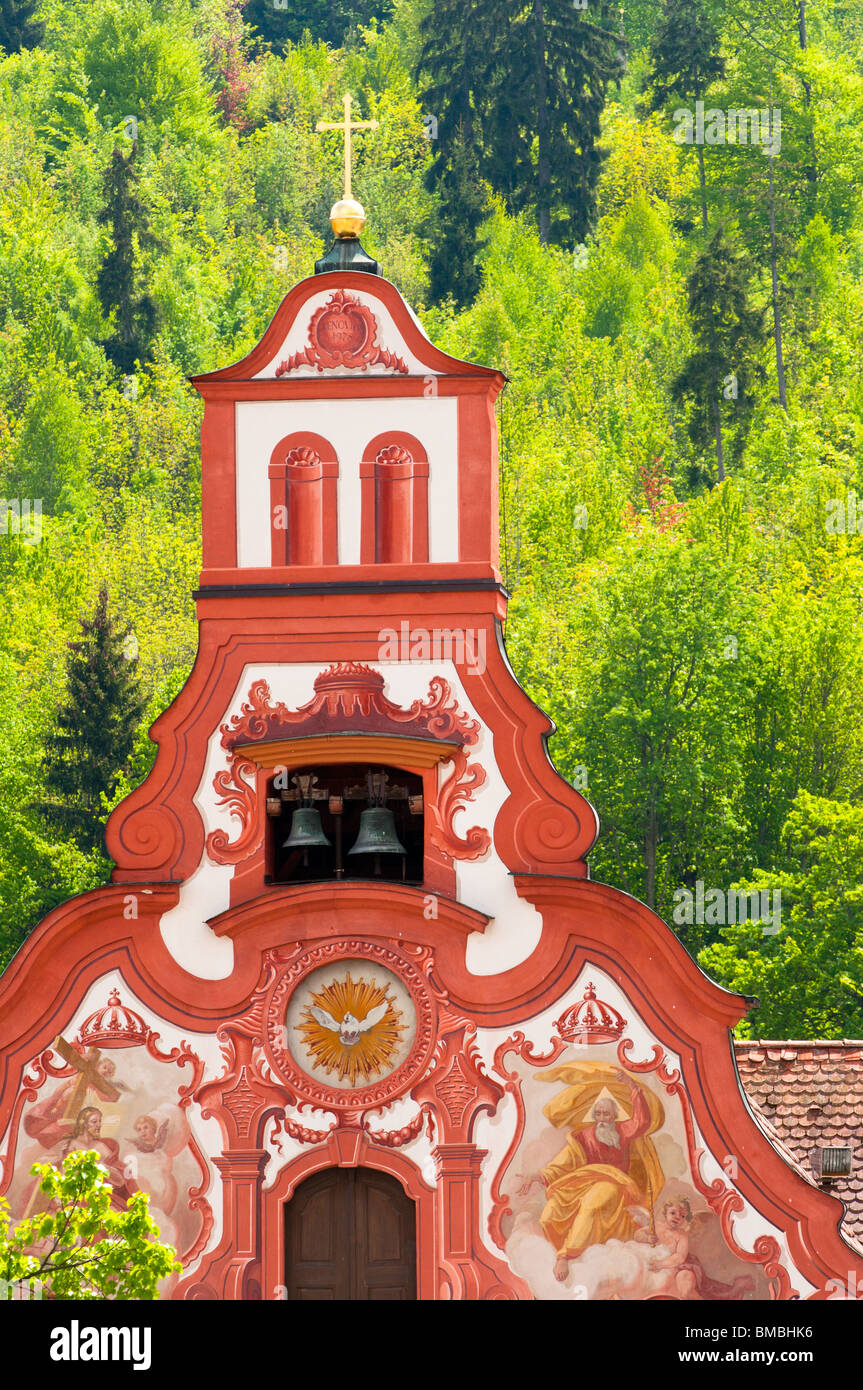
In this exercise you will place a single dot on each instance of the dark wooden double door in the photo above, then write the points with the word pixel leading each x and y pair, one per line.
pixel 350 1233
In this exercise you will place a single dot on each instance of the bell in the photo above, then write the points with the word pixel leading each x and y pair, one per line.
pixel 377 833
pixel 306 830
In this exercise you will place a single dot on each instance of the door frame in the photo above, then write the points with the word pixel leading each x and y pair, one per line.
pixel 346 1149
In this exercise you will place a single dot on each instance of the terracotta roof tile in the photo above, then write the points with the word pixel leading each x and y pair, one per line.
pixel 809 1094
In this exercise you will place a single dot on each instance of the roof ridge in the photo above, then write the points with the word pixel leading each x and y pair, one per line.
pixel 798 1042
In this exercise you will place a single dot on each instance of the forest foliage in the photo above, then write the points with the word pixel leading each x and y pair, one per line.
pixel 681 438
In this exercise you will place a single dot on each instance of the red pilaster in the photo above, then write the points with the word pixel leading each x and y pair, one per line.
pixel 458 1170
pixel 219 485
pixel 237 1274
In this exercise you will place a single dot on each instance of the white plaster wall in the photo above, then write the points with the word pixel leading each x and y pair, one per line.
pixel 184 931
pixel 207 891
pixel 349 425
pixel 388 337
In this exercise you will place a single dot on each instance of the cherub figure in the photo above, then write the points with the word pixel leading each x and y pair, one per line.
pixel 672 1229
pixel 150 1135
pixel 684 1274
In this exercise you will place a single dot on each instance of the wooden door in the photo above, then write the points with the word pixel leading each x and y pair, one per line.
pixel 350 1233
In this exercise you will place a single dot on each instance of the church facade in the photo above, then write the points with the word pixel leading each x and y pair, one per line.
pixel 351 1010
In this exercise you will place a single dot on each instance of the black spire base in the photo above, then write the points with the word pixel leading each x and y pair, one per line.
pixel 347 253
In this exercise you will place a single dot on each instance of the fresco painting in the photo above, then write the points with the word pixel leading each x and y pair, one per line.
pixel 602 1201
pixel 125 1103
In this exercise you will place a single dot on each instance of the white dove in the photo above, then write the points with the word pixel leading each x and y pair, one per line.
pixel 350 1028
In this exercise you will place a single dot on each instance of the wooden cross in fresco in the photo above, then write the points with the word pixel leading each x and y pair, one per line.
pixel 88 1075
pixel 347 125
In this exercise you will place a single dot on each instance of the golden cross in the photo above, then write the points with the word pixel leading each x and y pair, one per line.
pixel 347 125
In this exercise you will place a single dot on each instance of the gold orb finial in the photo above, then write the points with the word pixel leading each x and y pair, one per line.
pixel 347 217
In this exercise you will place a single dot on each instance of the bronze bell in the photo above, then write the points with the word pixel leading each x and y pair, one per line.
pixel 377 833
pixel 306 830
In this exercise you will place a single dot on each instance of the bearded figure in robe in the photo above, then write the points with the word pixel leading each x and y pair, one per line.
pixel 609 1166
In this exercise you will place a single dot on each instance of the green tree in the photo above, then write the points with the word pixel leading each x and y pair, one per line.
pixel 286 22
pixel 81 1247
pixel 95 727
pixel 137 62
pixel 36 872
pixel 802 726
pixel 546 108
pixel 54 445
pixel 454 227
pixel 526 84
pixel 685 58
pixel 457 40
pixel 18 26
pixel 774 188
pixel 729 334
pixel 658 724
pixel 133 310
pixel 808 975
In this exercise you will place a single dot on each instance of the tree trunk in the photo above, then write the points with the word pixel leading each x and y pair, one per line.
pixel 812 171
pixel 777 317
pixel 703 183
pixel 717 434
pixel 650 837
pixel 715 411
pixel 714 408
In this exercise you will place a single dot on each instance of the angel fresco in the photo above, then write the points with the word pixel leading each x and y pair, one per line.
pixel 160 1136
pixel 685 1276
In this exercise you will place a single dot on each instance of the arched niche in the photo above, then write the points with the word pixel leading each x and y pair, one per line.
pixel 394 480
pixel 304 525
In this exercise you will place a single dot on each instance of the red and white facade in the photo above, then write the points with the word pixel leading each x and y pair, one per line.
pixel 350 612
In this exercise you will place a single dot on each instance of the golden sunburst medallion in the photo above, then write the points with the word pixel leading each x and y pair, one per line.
pixel 353 1028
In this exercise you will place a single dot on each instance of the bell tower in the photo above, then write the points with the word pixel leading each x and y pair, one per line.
pixel 349 479
pixel 347 450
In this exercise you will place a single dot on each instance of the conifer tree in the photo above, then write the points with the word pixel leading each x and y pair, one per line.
pixel 454 228
pixel 456 45
pixel 95 727
pixel 134 313
pixel 285 21
pixel 685 58
pixel 526 81
pixel 549 93
pixel 729 334
pixel 18 28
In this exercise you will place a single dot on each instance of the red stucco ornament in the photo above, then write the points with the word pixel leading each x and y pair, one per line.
pixel 342 333
pixel 591 1021
pixel 114 1025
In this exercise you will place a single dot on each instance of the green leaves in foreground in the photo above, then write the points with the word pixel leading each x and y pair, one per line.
pixel 81 1247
